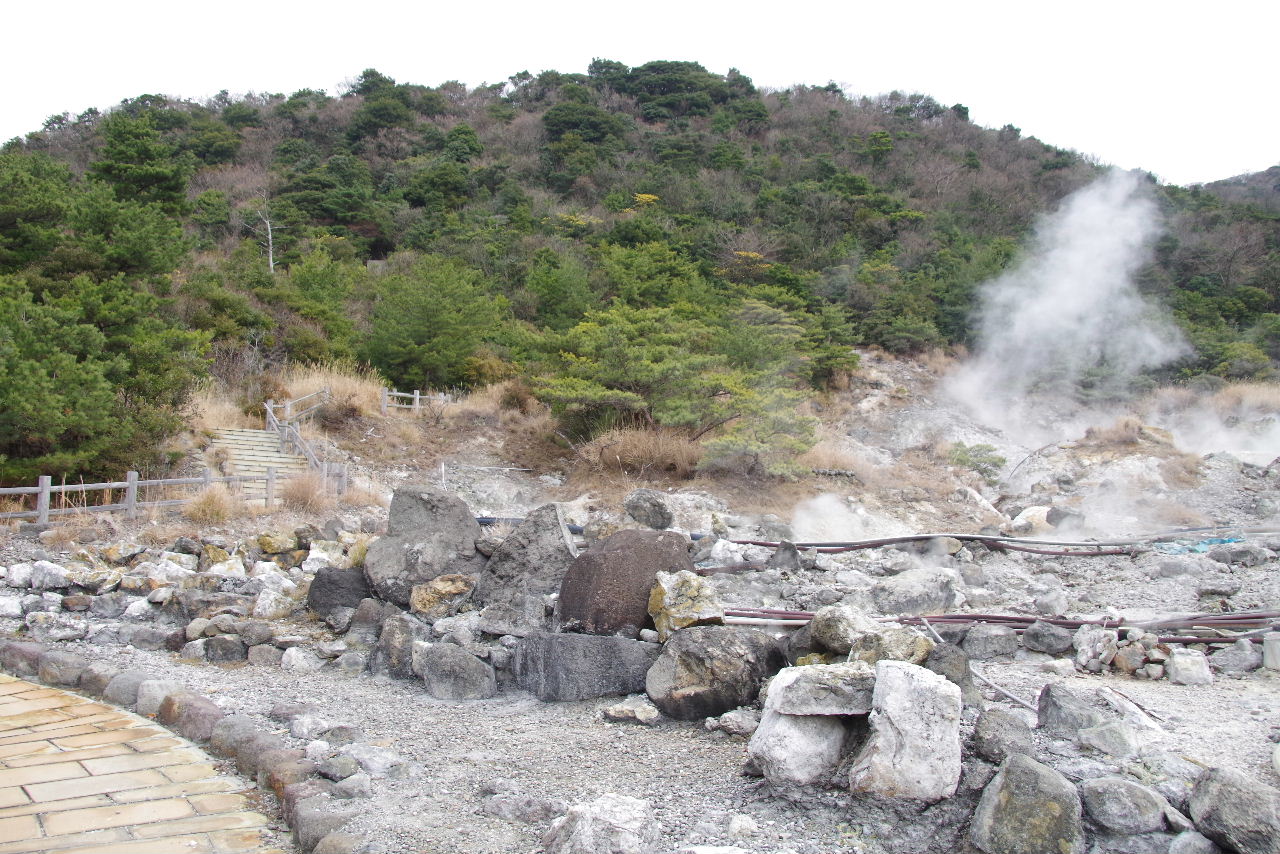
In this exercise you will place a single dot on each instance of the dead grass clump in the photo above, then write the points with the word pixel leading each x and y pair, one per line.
pixel 1246 399
pixel 214 505
pixel 642 453
pixel 1126 431
pixel 484 402
pixel 163 534
pixel 305 493
pixel 937 360
pixel 1165 513
pixel 827 454
pixel 362 496
pixel 1181 471
pixel 213 408
pixel 338 413
pixel 358 386
pixel 256 391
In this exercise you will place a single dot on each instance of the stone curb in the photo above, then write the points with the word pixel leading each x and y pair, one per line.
pixel 306 802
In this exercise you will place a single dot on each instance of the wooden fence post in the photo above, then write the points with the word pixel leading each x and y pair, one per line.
pixel 382 401
pixel 417 402
pixel 131 494
pixel 288 410
pixel 42 500
pixel 270 497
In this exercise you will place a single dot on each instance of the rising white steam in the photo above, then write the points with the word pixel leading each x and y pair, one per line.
pixel 1070 315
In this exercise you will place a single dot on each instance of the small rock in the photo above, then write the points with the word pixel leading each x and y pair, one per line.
pixel 683 599
pixel 441 596
pixel 990 640
pixel 449 672
pixel 637 709
pixel 648 507
pixel 1000 732
pixel 299 660
pixel 1243 656
pixel 739 722
pixel 1188 667
pixel 1046 637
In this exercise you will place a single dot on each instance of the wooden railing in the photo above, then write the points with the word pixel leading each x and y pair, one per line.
pixel 130 498
pixel 287 428
pixel 418 401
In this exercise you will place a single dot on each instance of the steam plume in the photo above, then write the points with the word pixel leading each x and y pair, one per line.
pixel 1070 312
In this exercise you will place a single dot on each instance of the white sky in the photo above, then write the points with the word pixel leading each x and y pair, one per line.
pixel 1183 90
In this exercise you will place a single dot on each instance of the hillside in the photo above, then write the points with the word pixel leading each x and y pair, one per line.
pixel 661 248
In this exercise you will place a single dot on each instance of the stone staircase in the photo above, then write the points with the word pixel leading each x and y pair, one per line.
pixel 252 452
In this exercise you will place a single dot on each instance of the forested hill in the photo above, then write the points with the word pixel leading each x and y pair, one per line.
pixel 659 245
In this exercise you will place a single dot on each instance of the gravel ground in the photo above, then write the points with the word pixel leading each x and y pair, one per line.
pixel 694 778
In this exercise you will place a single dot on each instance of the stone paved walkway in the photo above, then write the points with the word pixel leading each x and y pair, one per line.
pixel 79 777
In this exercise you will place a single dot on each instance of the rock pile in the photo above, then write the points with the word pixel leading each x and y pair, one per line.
pixel 873 708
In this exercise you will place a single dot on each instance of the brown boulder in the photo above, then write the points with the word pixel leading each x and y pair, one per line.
pixel 606 589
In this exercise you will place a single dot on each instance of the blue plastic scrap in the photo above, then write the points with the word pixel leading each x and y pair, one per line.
pixel 1197 547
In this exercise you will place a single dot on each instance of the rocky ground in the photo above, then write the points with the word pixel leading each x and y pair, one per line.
pixel 491 773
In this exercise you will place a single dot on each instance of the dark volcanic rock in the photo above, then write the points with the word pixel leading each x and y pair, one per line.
pixel 429 533
pixel 707 670
pixel 581 667
pixel 1028 808
pixel 1237 811
pixel 606 590
pixel 528 566
pixel 334 588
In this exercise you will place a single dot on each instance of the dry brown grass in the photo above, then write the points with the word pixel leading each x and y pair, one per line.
pixel 1163 512
pixel 642 453
pixel 484 402
pixel 1181 471
pixel 350 383
pixel 827 454
pixel 361 496
pixel 214 408
pixel 11 504
pixel 305 493
pixel 1247 399
pixel 1128 430
pixel 161 533
pixel 213 505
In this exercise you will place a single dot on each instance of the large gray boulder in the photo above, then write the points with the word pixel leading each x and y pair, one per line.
pixel 823 689
pixel 927 590
pixel 393 655
pixel 797 749
pixel 801 735
pixel 705 671
pixel 1237 811
pixel 529 565
pixel 1028 808
pixel 429 533
pixel 606 589
pixel 611 824
pixel 1000 732
pixel 1065 711
pixel 581 667
pixel 913 750
pixel 1123 806
pixel 449 672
